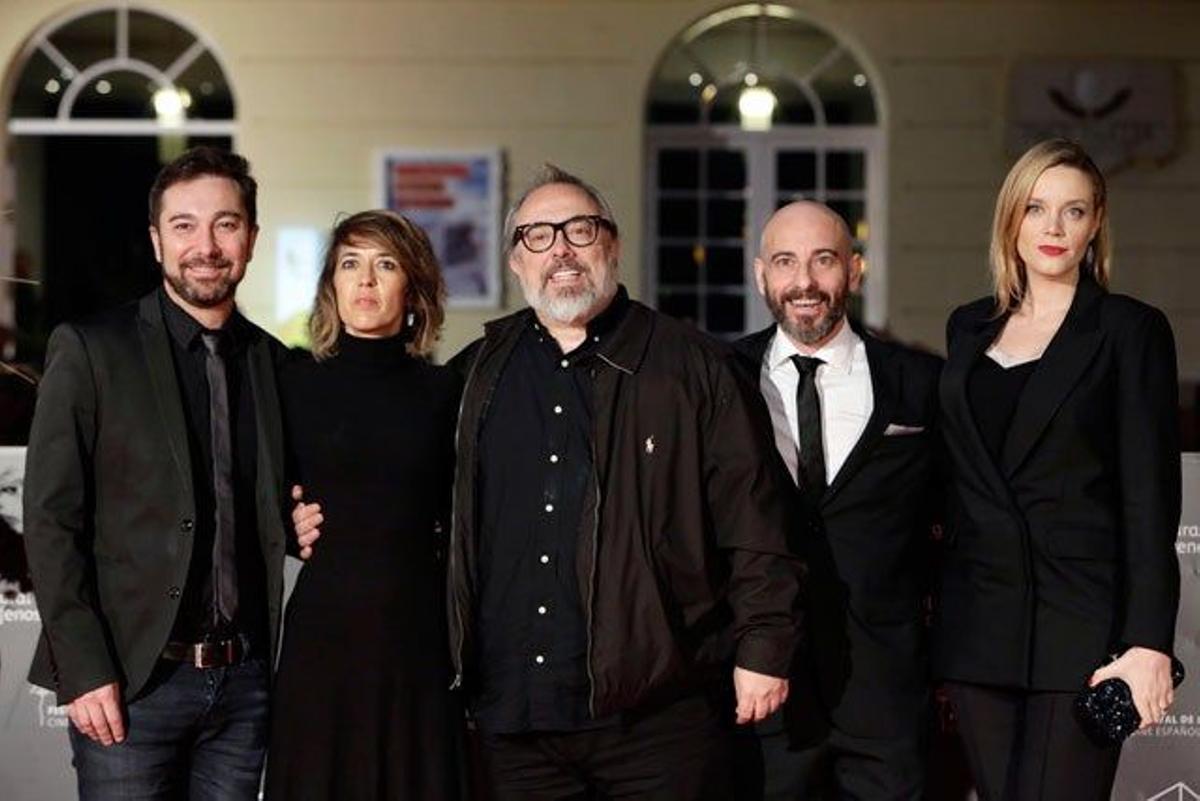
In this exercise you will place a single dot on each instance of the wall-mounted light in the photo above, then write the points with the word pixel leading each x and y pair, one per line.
pixel 756 105
pixel 168 102
pixel 169 105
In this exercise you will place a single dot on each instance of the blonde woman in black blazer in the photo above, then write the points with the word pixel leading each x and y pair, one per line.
pixel 1059 413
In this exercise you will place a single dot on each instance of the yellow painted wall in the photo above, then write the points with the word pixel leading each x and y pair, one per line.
pixel 322 84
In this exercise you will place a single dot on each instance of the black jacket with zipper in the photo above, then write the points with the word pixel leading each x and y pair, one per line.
pixel 684 559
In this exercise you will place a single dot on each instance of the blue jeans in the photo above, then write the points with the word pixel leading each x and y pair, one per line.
pixel 196 734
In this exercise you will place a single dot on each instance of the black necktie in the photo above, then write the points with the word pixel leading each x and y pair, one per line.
pixel 224 561
pixel 808 424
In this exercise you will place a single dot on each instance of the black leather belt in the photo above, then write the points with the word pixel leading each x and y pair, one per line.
pixel 221 653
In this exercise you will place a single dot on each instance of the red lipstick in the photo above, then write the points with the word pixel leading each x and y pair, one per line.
pixel 1051 250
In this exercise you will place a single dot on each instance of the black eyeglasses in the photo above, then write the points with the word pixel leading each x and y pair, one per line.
pixel 579 231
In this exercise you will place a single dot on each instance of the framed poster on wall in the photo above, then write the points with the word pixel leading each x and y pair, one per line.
pixel 455 196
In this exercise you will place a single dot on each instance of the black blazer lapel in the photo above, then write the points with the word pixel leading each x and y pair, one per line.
pixel 1067 356
pixel 160 365
pixel 885 384
pixel 961 358
pixel 751 350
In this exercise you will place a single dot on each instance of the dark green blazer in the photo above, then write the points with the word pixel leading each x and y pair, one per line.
pixel 109 504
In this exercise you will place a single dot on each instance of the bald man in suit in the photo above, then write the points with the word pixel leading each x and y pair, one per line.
pixel 853 419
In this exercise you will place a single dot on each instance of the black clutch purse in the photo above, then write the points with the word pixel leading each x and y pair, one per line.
pixel 1106 712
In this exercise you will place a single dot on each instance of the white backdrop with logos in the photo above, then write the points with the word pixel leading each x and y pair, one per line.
pixel 1162 764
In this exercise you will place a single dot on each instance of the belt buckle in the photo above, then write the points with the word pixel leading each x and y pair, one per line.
pixel 214 654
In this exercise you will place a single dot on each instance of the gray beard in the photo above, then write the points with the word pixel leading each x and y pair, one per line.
pixel 566 309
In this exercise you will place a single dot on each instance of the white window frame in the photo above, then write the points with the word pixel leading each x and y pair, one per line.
pixel 63 125
pixel 760 149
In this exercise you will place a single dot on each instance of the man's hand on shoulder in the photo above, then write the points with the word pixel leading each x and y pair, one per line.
pixel 758 695
pixel 97 714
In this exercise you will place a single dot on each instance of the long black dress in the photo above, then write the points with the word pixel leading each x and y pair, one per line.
pixel 361 706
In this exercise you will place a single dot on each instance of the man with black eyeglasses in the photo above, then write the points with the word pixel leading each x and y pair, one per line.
pixel 618 551
pixel 619 533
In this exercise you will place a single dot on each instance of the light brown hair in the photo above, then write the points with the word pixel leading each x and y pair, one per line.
pixel 1008 271
pixel 424 295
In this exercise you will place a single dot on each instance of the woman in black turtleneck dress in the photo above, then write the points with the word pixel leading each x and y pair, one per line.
pixel 361 708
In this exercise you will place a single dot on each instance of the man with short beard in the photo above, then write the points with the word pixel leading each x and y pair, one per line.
pixel 853 419
pixel 152 510
pixel 618 552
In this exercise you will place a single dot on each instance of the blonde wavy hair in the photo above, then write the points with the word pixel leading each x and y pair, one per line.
pixel 424 294
pixel 1008 271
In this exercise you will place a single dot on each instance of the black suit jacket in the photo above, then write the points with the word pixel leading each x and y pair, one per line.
pixel 1063 552
pixel 864 654
pixel 109 505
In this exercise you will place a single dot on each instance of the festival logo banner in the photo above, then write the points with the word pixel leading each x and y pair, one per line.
pixel 35 760
pixel 1121 111
pixel 1163 762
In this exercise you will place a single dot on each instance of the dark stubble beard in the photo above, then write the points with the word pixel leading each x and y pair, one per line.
pixel 208 294
pixel 818 329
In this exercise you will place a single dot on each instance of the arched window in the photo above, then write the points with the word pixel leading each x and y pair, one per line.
pixel 97 101
pixel 120 70
pixel 750 108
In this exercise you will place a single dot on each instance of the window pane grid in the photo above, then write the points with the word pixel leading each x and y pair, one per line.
pixel 715 289
pixel 694 194
pixel 828 194
pixel 700 275
pixel 699 80
pixel 119 58
pixel 701 240
pixel 729 178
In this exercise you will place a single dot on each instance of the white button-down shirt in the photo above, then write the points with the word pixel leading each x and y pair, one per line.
pixel 843 385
